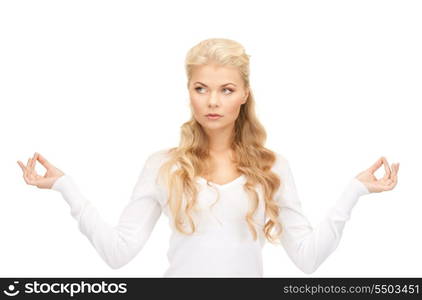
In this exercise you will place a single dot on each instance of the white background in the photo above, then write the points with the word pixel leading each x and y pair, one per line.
pixel 97 86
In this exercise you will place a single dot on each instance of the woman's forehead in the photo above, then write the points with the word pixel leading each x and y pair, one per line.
pixel 215 74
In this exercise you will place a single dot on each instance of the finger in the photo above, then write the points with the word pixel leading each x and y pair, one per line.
pixel 376 165
pixel 33 160
pixel 392 184
pixel 21 165
pixel 395 172
pixel 26 178
pixel 395 181
pixel 393 169
pixel 387 168
pixel 29 168
pixel 396 169
pixel 43 161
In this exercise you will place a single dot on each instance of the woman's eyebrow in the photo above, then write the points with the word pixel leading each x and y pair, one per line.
pixel 221 85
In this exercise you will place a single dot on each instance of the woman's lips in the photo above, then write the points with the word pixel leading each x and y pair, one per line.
pixel 213 116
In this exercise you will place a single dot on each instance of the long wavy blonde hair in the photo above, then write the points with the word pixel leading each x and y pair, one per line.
pixel 250 156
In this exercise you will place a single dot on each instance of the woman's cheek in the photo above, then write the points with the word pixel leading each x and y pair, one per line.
pixel 235 108
pixel 196 107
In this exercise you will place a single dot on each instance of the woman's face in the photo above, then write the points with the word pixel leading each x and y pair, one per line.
pixel 216 89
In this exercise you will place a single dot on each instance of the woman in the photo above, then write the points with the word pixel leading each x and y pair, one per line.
pixel 223 191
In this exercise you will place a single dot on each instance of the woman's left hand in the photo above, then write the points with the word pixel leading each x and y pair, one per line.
pixel 386 183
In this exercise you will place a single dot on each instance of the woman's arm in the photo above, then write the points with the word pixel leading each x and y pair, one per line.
pixel 306 246
pixel 119 244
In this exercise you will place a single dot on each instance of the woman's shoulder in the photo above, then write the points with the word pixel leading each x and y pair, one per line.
pixel 281 164
pixel 280 158
pixel 158 157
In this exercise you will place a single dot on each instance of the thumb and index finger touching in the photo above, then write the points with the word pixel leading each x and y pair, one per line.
pixel 43 161
pixel 383 161
pixel 31 162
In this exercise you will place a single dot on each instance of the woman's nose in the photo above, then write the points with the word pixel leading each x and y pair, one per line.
pixel 213 99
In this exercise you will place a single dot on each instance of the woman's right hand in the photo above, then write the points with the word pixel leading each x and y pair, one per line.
pixel 32 178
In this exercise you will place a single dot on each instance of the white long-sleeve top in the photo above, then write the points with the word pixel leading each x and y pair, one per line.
pixel 222 245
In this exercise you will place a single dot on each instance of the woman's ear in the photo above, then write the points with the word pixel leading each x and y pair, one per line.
pixel 246 96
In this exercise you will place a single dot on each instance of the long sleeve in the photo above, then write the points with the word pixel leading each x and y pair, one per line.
pixel 306 246
pixel 119 244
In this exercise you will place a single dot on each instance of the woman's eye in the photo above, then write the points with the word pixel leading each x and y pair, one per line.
pixel 199 87
pixel 225 90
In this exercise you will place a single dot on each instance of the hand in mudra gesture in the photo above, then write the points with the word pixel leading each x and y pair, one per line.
pixel 32 178
pixel 386 183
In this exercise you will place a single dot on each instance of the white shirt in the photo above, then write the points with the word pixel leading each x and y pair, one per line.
pixel 222 245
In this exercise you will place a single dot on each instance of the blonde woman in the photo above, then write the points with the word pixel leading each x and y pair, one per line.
pixel 223 191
